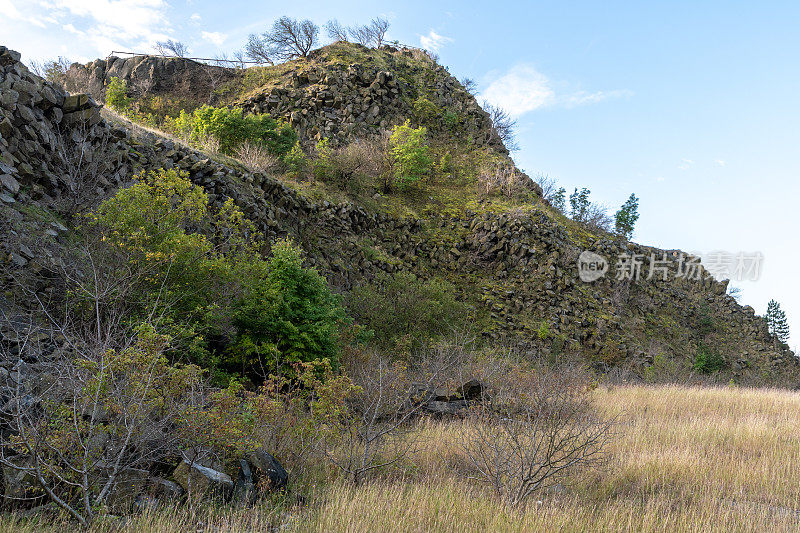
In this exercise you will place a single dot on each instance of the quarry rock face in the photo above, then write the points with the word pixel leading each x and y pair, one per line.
pixel 343 101
pixel 528 289
pixel 146 75
pixel 60 156
pixel 334 100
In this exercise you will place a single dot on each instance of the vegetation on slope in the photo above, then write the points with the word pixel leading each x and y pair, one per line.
pixel 685 459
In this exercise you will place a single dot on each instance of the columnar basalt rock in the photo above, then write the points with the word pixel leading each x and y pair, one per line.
pixel 151 74
pixel 521 269
pixel 320 99
pixel 530 289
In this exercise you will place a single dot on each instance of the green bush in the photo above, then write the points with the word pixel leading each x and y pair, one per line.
pixel 410 154
pixel 451 121
pixel 403 309
pixel 323 161
pixel 231 128
pixel 201 271
pixel 288 315
pixel 708 361
pixel 425 112
pixel 544 330
pixel 295 159
pixel 117 95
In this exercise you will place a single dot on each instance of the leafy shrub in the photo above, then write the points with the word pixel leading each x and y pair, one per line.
pixel 232 129
pixel 410 154
pixel 708 361
pixel 322 164
pixel 544 330
pixel 117 95
pixel 425 112
pixel 295 159
pixel 451 121
pixel 288 315
pixel 404 309
pixel 201 270
pixel 286 416
pixel 161 223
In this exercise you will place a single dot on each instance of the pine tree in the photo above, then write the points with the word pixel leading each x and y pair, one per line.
pixel 776 321
pixel 627 216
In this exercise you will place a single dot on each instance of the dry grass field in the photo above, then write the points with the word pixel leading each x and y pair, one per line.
pixel 682 459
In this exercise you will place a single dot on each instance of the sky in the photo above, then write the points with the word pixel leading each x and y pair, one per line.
pixel 691 105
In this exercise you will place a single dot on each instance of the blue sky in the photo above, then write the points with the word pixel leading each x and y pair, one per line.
pixel 691 105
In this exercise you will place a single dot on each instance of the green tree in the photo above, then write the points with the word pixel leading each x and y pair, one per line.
pixel 117 95
pixel 579 204
pixel 410 154
pixel 625 219
pixel 708 361
pixel 776 321
pixel 322 164
pixel 200 269
pixel 559 200
pixel 287 315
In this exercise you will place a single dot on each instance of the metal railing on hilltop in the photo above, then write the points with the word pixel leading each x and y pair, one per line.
pixel 215 61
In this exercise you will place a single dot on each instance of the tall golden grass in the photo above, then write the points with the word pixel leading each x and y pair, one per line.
pixel 683 459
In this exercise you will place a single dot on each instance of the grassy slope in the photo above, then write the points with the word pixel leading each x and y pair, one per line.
pixel 685 459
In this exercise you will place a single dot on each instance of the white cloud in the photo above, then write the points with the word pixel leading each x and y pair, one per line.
pixel 195 17
pixel 8 10
pixel 685 164
pixel 583 98
pixel 96 26
pixel 520 90
pixel 523 89
pixel 72 29
pixel 214 37
pixel 720 162
pixel 433 41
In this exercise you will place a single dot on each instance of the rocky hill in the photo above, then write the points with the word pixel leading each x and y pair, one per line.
pixel 516 268
pixel 339 92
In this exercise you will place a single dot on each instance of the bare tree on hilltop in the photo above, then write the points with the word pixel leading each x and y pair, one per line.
pixel 503 124
pixel 336 31
pixel 372 34
pixel 170 47
pixel 257 50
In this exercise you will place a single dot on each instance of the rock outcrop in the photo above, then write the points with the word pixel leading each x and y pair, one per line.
pixel 528 287
pixel 341 92
pixel 519 271
pixel 151 75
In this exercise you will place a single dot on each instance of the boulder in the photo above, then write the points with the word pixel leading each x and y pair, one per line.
pixel 269 473
pixel 471 390
pixel 201 482
pixel 244 490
